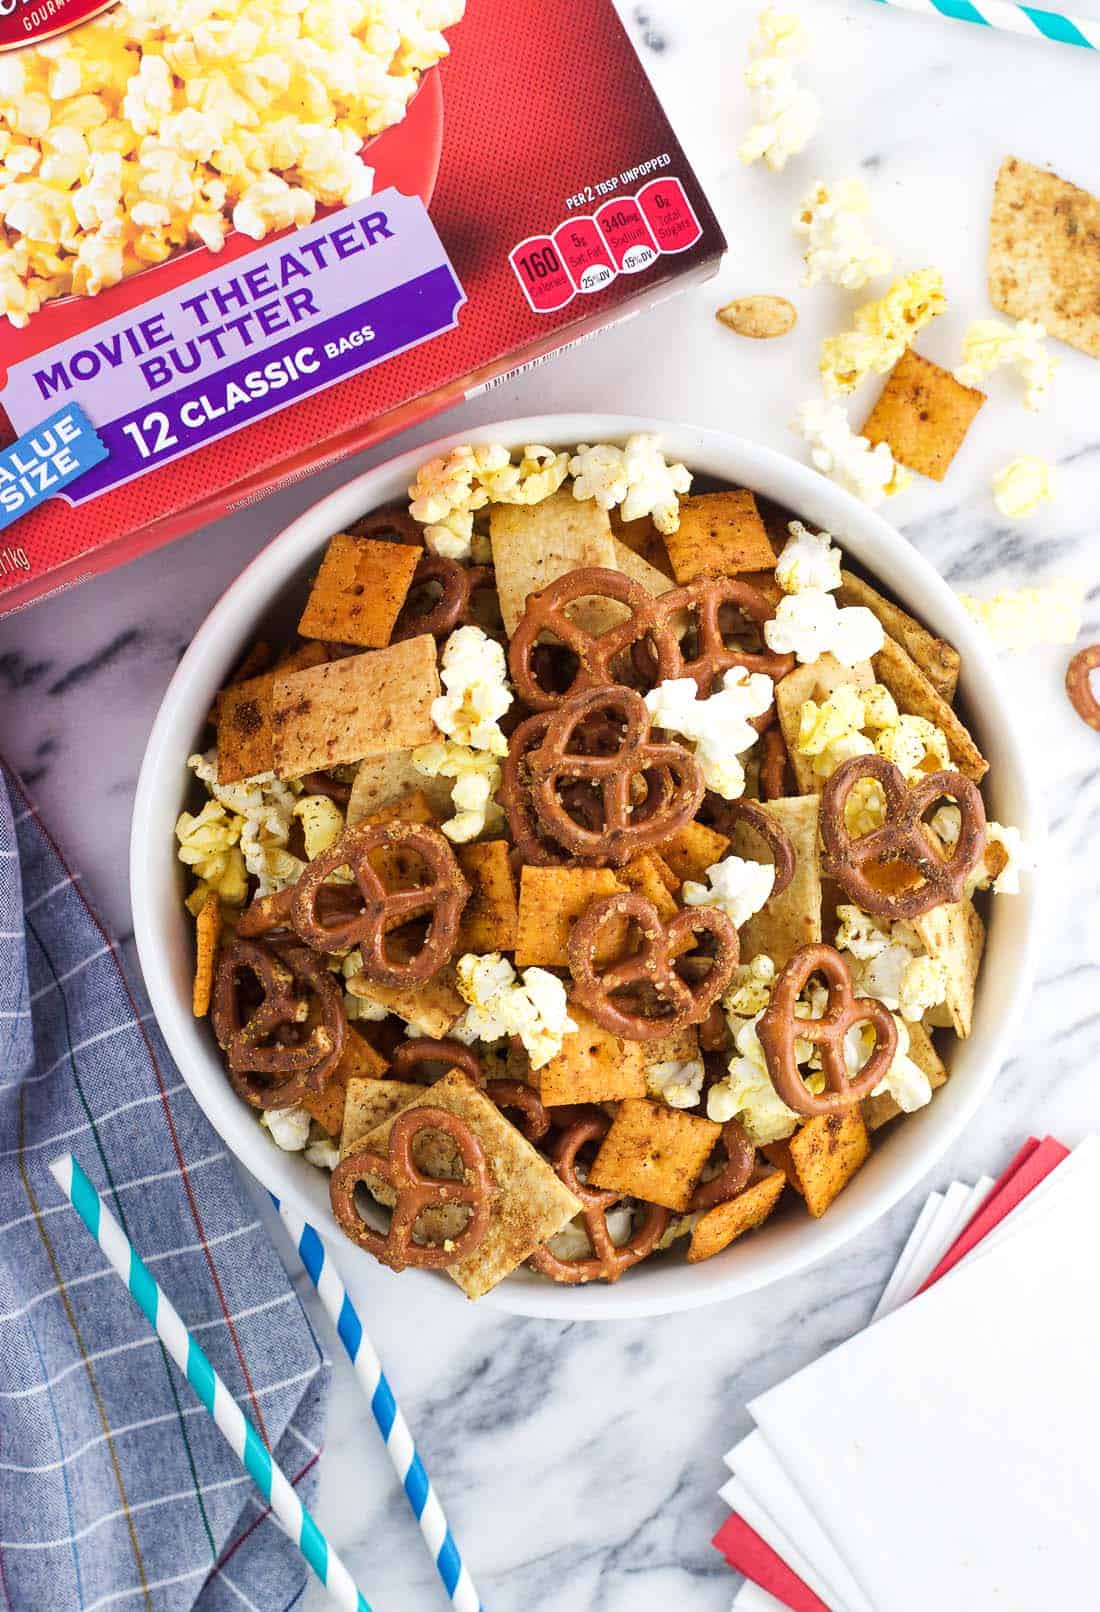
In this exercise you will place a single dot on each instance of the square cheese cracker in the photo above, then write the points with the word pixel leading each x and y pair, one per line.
pixel 654 1153
pixel 822 1156
pixel 923 414
pixel 593 1066
pixel 719 535
pixel 718 1227
pixel 359 590
pixel 363 705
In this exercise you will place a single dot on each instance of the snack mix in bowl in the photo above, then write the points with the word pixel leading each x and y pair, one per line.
pixel 598 861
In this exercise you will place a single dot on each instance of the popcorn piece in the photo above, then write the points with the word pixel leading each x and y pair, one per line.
pixel 737 887
pixel 787 115
pixel 323 1153
pixel 808 561
pixel 747 1094
pixel 839 247
pixel 869 473
pixel 289 1127
pixel 923 987
pixel 679 1084
pixel 322 823
pixel 265 808
pixel 1023 485
pixel 208 843
pixel 883 331
pixel 859 933
pixel 475 675
pixel 1021 857
pixel 749 992
pixel 989 344
pixel 720 725
pixel 477 778
pixel 905 1081
pixel 1028 617
pixel 637 480
pixel 811 624
pixel 536 1010
pixel 448 491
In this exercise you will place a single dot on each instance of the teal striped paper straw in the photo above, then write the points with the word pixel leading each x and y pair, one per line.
pixel 233 1424
pixel 1010 18
pixel 394 1429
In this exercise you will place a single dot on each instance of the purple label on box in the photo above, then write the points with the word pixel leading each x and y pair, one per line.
pixel 238 343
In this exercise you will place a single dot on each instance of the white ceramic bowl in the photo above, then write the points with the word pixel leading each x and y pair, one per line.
pixel 791 1242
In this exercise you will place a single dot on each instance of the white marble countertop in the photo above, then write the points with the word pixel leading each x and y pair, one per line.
pixel 580 1463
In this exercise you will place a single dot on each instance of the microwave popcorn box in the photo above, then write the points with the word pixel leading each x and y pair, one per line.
pixel 244 238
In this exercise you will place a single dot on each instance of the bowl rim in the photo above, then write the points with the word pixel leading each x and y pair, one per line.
pixel 810 496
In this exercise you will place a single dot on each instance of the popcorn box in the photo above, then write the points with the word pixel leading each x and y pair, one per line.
pixel 244 239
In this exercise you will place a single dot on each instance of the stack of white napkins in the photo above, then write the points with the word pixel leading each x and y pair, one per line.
pixel 947 1459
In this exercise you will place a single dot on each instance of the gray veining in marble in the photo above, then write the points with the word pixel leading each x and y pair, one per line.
pixel 580 1463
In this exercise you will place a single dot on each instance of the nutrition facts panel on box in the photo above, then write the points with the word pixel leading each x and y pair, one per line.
pixel 586 252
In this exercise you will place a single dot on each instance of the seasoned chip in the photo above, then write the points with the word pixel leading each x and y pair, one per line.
pixel 654 1153
pixel 815 681
pixel 923 414
pixel 954 935
pixel 433 1007
pixel 530 1204
pixel 593 1066
pixel 719 535
pixel 878 1111
pixel 550 902
pixel 369 1104
pixel 243 717
pixel 359 591
pixel 793 918
pixel 719 1226
pixel 914 694
pixel 208 928
pixel 489 917
pixel 360 706
pixel 644 875
pixel 1044 253
pixel 533 544
pixel 692 850
pixel 936 658
pixel 382 780
pixel 822 1156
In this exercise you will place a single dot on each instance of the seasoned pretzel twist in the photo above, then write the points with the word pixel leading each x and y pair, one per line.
pixel 722 814
pixel 524 1100
pixel 902 838
pixel 773 765
pixel 672 779
pixel 703 600
pixel 1079 685
pixel 607 1261
pixel 547 611
pixel 778 1028
pixel 514 795
pixel 392 525
pixel 293 1038
pixel 734 1174
pixel 653 965
pixel 409 1059
pixel 381 910
pixel 414 1192
pixel 457 584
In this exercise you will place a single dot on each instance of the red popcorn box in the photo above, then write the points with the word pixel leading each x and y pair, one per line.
pixel 193 320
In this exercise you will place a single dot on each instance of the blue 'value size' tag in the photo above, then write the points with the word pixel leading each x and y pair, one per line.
pixel 45 460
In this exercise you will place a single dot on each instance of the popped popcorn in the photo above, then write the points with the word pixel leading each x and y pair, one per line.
pixel 1021 857
pixel 573 1242
pixel 891 963
pixel 289 1127
pixel 883 330
pixel 209 843
pixel 359 1007
pixel 839 246
pixel 1025 618
pixel 322 823
pixel 719 725
pixel 266 806
pixel 859 933
pixel 869 473
pixel 477 778
pixel 736 886
pixel 637 479
pixel 680 1085
pixel 499 1005
pixel 749 991
pixel 811 624
pixel 475 674
pixel 786 114
pixel 989 344
pixel 1023 485
pixel 323 1153
pixel 905 1081
pixel 150 127
pixel 747 1094
pixel 449 491
pixel 923 986
pixel 808 560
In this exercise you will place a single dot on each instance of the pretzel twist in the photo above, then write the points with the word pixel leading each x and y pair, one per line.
pixel 293 1038
pixel 408 1060
pixel 722 815
pixel 457 586
pixel 1079 685
pixel 735 1173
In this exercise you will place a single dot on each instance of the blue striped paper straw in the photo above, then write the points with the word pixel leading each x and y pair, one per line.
pixel 1010 18
pixel 394 1429
pixel 233 1424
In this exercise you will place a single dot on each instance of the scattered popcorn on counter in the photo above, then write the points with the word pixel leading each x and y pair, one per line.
pixel 735 886
pixel 808 561
pixel 883 330
pixel 536 1010
pixel 637 479
pixel 475 674
pixel 786 114
pixel 839 247
pixel 811 624
pixel 477 778
pixel 1025 618
pixel 679 1084
pixel 870 474
pixel 720 725
pixel 1022 486
pixel 989 344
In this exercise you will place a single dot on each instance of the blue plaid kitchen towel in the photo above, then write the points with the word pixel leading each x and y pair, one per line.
pixel 116 1489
